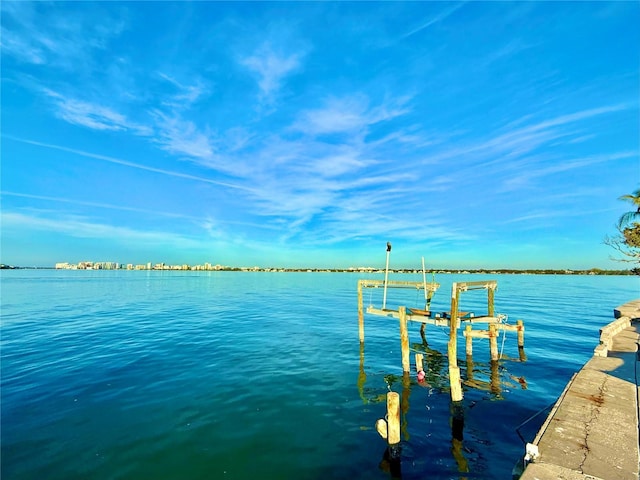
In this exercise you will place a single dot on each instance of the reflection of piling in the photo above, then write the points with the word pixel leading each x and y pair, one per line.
pixel 404 404
pixel 423 335
pixel 494 384
pixel 457 436
pixel 362 376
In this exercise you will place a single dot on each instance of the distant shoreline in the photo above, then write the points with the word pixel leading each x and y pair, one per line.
pixel 501 271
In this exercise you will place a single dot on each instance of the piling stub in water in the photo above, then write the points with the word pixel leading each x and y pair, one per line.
pixel 389 427
pixel 520 327
pixel 456 385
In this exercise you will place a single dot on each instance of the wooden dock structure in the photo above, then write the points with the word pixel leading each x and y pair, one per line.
pixel 453 319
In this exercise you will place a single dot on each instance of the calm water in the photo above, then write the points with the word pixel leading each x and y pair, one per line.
pixel 189 375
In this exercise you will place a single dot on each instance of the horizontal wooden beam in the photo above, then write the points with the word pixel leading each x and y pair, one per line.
pixel 442 322
pixel 485 333
pixel 479 285
pixel 430 286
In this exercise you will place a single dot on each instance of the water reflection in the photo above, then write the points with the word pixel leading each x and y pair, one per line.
pixel 491 377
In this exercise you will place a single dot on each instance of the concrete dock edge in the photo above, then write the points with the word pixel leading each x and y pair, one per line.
pixel 592 431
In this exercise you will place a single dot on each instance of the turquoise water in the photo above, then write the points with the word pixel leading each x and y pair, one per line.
pixel 234 375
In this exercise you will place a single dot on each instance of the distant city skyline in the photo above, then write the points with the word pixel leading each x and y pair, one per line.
pixel 474 134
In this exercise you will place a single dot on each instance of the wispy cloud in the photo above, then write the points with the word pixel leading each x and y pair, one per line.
pixel 271 67
pixel 91 115
pixel 515 142
pixel 347 114
pixel 63 40
pixel 183 138
pixel 186 94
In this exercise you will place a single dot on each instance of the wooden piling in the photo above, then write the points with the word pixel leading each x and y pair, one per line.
pixel 493 341
pixel 491 292
pixel 469 340
pixel 453 327
pixel 360 313
pixel 419 360
pixel 456 386
pixel 520 327
pixel 404 339
pixel 393 418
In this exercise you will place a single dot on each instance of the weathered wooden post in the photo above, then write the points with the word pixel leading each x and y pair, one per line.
pixel 454 370
pixel 419 360
pixel 404 340
pixel 389 429
pixel 469 341
pixel 456 385
pixel 453 327
pixel 360 313
pixel 491 292
pixel 493 341
pixel 520 327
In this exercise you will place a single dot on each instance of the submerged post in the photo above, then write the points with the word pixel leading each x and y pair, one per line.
pixel 404 339
pixel 386 277
pixel 360 313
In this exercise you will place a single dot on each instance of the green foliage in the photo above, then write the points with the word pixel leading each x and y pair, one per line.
pixel 627 241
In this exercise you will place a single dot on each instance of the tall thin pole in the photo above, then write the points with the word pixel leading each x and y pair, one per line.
pixel 424 280
pixel 386 276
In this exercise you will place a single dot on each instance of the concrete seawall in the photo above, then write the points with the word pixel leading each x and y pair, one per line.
pixel 592 430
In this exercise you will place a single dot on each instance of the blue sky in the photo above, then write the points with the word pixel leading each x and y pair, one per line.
pixel 477 135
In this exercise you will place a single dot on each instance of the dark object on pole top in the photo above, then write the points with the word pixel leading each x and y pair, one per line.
pixel 388 246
